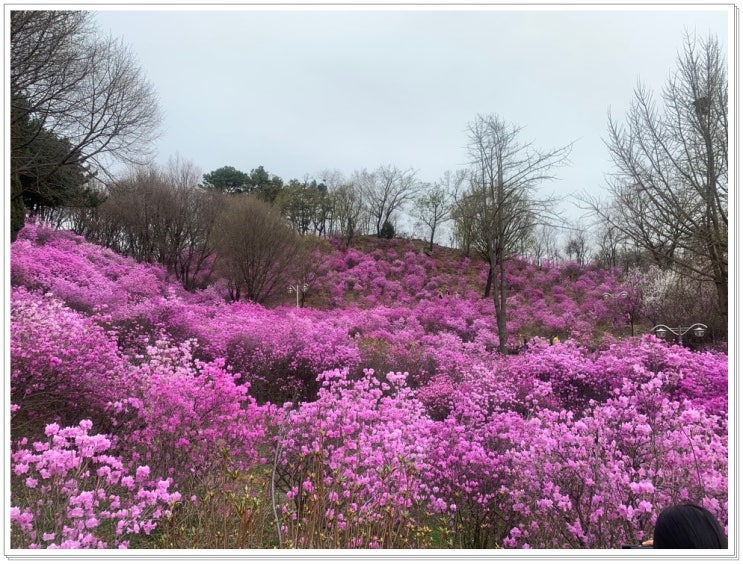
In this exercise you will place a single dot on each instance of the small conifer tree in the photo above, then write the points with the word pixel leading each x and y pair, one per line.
pixel 387 231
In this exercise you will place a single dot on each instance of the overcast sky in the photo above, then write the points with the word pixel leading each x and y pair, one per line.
pixel 303 90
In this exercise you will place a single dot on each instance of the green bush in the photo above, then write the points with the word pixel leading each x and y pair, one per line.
pixel 387 231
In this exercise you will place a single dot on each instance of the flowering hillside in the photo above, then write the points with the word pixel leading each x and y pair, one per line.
pixel 147 416
pixel 562 299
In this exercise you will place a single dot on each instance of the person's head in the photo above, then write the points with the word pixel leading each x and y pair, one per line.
pixel 688 526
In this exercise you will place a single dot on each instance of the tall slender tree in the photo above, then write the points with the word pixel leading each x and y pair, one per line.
pixel 434 206
pixel 505 173
pixel 348 211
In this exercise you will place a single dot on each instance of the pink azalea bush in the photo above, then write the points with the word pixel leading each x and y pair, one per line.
pixel 356 462
pixel 279 352
pixel 524 471
pixel 185 414
pixel 63 363
pixel 387 419
pixel 70 492
pixel 598 480
pixel 401 274
pixel 85 276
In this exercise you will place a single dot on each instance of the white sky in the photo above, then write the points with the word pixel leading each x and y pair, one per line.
pixel 301 90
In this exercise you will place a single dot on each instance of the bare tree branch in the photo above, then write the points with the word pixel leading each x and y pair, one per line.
pixel 505 173
pixel 78 87
pixel 670 188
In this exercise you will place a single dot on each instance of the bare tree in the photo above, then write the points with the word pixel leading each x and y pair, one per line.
pixel 84 88
pixel 85 93
pixel 676 300
pixel 181 173
pixel 473 222
pixel 434 206
pixel 542 244
pixel 345 214
pixel 257 248
pixel 136 209
pixel 385 191
pixel 348 211
pixel 671 181
pixel 308 267
pixel 576 245
pixel 464 214
pixel 197 210
pixel 609 241
pixel 306 205
pixel 160 215
pixel 505 175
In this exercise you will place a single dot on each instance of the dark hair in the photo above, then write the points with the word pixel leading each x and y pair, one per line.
pixel 688 526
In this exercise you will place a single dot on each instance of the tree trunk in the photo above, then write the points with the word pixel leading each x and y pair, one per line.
pixel 499 300
pixel 349 236
pixel 722 297
pixel 489 282
pixel 17 207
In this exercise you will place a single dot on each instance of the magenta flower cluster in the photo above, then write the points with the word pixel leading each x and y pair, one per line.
pixel 384 414
pixel 68 487
pixel 364 445
pixel 185 412
pixel 535 473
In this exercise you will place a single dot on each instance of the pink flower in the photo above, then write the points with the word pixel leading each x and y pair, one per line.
pixel 91 523
pixel 143 472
